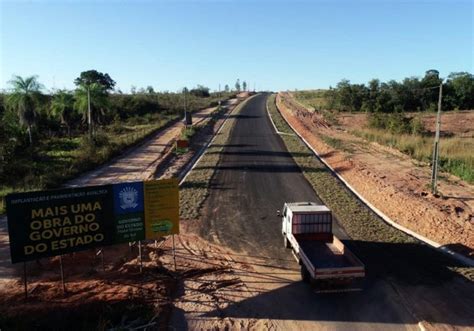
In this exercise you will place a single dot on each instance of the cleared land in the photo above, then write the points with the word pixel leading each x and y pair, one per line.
pixel 457 132
pixel 392 181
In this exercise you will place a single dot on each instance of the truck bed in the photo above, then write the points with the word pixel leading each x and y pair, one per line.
pixel 325 255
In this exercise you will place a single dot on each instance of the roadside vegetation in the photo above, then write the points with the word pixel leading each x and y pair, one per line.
pixel 314 100
pixel 410 95
pixel 456 156
pixel 49 137
pixel 195 189
pixel 374 241
pixel 389 108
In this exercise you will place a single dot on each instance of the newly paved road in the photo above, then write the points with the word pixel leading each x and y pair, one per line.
pixel 255 176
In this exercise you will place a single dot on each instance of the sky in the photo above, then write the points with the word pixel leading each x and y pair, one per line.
pixel 272 45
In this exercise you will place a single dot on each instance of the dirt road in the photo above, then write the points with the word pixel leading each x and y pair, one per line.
pixel 139 163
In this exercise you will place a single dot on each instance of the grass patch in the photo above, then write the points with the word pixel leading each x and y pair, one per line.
pixel 313 99
pixel 195 189
pixel 271 106
pixel 385 250
pixel 456 156
pixel 337 144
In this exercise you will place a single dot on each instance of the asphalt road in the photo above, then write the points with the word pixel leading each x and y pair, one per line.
pixel 255 176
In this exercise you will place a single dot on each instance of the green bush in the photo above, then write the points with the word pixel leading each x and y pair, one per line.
pixel 416 125
pixel 396 123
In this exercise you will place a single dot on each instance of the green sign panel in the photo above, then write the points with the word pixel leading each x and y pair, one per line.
pixel 50 223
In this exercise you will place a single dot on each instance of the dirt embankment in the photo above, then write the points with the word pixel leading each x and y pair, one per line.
pixel 392 181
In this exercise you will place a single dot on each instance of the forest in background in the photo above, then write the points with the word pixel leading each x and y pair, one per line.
pixel 395 112
pixel 46 138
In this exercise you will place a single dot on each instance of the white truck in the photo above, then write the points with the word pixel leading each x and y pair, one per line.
pixel 325 261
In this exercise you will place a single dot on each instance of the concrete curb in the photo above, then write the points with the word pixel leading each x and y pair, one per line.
pixel 273 123
pixel 461 258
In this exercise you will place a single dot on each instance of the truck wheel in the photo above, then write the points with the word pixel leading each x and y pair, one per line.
pixel 305 276
pixel 286 242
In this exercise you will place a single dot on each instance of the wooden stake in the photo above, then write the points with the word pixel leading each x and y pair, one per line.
pixel 174 253
pixel 140 255
pixel 102 259
pixel 25 280
pixel 62 273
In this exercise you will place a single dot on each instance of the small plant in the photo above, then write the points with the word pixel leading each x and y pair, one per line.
pixel 188 133
pixel 330 117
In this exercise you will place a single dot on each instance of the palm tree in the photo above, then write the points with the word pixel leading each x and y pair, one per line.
pixel 24 99
pixel 62 106
pixel 99 103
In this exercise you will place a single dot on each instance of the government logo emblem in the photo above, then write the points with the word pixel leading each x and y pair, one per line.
pixel 128 198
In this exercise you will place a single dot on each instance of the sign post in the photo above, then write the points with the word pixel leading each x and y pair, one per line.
pixel 140 255
pixel 101 253
pixel 25 280
pixel 102 259
pixel 62 274
pixel 174 253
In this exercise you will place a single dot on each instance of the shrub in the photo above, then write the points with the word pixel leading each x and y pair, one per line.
pixel 395 123
pixel 416 125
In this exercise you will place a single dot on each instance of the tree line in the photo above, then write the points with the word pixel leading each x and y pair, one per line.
pixel 36 125
pixel 25 108
pixel 410 94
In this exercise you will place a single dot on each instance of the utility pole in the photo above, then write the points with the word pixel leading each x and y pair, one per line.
pixel 184 90
pixel 434 173
pixel 187 115
pixel 89 114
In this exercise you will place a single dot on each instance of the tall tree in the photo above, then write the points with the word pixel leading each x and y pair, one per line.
pixel 23 99
pixel 90 77
pixel 149 89
pixel 344 95
pixel 244 85
pixel 430 84
pixel 99 102
pixel 102 84
pixel 62 106
pixel 237 85
pixel 226 88
pixel 462 86
pixel 200 91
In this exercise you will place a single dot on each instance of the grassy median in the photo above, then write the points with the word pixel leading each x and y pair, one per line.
pixel 195 189
pixel 385 250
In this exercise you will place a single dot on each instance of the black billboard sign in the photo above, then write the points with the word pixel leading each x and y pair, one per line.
pixel 49 223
